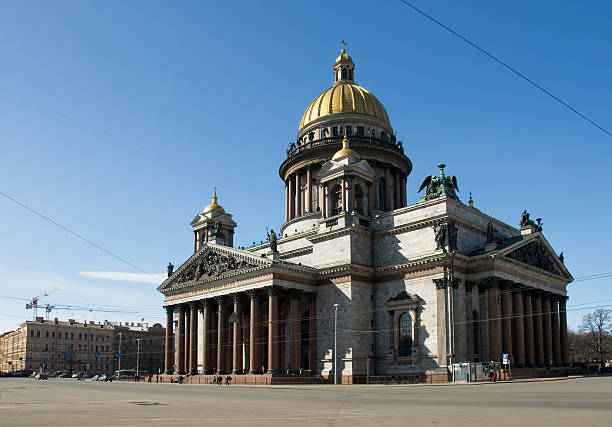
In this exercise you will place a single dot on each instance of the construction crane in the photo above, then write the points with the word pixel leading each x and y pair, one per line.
pixel 33 305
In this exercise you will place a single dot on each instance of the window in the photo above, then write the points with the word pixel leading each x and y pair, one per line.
pixel 335 131
pixel 349 130
pixel 405 335
pixel 336 202
pixel 65 335
pixel 71 335
pixel 46 334
pixel 53 334
pixel 32 334
pixel 37 334
pixel 358 199
pixel 344 76
pixel 382 194
pixel 80 336
pixel 360 131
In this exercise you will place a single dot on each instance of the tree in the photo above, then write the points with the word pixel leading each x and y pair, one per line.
pixel 597 330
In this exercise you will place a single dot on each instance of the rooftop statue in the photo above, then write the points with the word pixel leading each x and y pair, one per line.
pixel 170 269
pixel 273 241
pixel 439 186
pixel 525 221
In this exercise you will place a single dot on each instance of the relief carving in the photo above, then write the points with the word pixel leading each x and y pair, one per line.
pixel 212 264
pixel 536 255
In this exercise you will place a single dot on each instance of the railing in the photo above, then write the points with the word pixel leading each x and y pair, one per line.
pixel 331 222
pixel 298 148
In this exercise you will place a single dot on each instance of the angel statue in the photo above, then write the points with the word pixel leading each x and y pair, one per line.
pixel 439 186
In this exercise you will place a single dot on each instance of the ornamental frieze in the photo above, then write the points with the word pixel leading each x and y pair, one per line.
pixel 212 264
pixel 536 255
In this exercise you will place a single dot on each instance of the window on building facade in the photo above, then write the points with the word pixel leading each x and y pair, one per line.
pixel 358 199
pixel 80 337
pixel 52 334
pixel 349 130
pixel 65 335
pixel 37 334
pixel 71 335
pixel 336 202
pixel 335 131
pixel 46 334
pixel 360 131
pixel 405 335
pixel 32 334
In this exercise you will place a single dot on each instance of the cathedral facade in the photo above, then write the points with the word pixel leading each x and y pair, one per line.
pixel 357 282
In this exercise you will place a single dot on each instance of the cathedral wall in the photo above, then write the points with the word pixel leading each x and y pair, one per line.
pixel 402 247
pixel 329 252
pixel 425 351
pixel 327 296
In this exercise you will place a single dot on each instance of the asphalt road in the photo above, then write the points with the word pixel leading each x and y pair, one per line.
pixel 581 401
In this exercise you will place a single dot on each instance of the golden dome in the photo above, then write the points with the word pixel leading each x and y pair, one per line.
pixel 344 97
pixel 214 206
pixel 344 57
pixel 345 151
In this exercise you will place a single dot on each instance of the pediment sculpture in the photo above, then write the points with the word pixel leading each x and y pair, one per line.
pixel 212 264
pixel 536 255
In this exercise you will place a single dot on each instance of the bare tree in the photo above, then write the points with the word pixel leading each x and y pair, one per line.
pixel 597 331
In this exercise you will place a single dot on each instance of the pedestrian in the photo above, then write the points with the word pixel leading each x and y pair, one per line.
pixel 494 376
pixel 491 373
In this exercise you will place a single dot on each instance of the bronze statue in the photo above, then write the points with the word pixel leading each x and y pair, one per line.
pixel 525 221
pixel 170 269
pixel 440 235
pixel 490 232
pixel 272 238
pixel 439 186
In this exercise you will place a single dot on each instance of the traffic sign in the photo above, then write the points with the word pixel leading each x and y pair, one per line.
pixel 29 358
pixel 118 355
pixel 68 353
pixel 46 359
pixel 505 359
pixel 96 354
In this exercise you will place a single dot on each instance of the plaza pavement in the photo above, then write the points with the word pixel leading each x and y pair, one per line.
pixel 579 401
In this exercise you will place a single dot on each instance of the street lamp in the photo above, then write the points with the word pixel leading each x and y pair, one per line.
pixel 119 355
pixel 335 343
pixel 137 355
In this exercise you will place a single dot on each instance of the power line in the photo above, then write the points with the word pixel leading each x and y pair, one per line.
pixel 505 65
pixel 74 233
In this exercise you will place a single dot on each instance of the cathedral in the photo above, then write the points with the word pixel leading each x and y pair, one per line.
pixel 357 283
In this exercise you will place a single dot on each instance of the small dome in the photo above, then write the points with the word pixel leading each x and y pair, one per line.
pixel 345 152
pixel 344 57
pixel 214 207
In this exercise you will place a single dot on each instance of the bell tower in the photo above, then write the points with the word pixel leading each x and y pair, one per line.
pixel 213 225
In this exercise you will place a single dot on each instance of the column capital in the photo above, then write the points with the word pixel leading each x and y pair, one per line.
pixel 253 294
pixel 456 283
pixel 193 304
pixel 182 308
pixel 169 308
pixel 491 282
pixel 206 303
pixel 506 285
pixel 440 283
pixel 220 300
pixel 272 291
pixel 469 285
pixel 237 297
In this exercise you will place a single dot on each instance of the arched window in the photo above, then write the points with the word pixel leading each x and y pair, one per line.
pixel 405 335
pixel 344 73
pixel 382 194
pixel 336 200
pixel 358 199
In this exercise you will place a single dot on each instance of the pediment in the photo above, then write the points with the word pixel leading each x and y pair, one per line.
pixel 331 169
pixel 537 252
pixel 212 262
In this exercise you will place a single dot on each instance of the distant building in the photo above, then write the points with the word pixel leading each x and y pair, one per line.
pixel 71 346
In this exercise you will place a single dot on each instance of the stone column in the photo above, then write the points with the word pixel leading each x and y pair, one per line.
pixel 563 331
pixel 291 199
pixel 397 203
pixel 441 311
pixel 388 189
pixel 312 332
pixel 180 362
pixel 370 199
pixel 237 342
pixel 193 340
pixel 324 200
pixel 518 329
pixel 556 336
pixel 529 338
pixel 469 320
pixel 494 319
pixel 538 328
pixel 287 201
pixel 392 334
pixel 205 334
pixel 221 332
pixel 298 194
pixel 255 334
pixel 344 195
pixel 308 204
pixel 212 335
pixel 547 329
pixel 195 241
pixel 294 345
pixel 273 332
pixel 506 314
pixel 187 343
pixel 169 344
pixel 403 191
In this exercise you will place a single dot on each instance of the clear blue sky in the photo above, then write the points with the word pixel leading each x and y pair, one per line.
pixel 118 118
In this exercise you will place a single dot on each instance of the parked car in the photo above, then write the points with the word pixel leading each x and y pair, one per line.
pixel 95 377
pixel 64 375
pixel 40 376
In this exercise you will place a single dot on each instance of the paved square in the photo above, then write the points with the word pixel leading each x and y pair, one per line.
pixel 582 401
